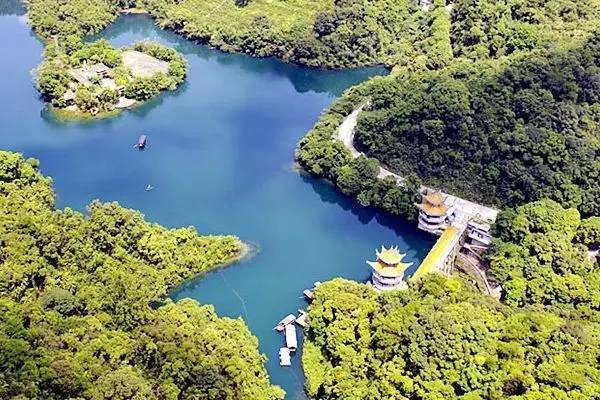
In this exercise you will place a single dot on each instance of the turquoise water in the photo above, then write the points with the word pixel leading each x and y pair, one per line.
pixel 220 155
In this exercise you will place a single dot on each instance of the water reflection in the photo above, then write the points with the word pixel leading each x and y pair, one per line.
pixel 303 79
pixel 12 7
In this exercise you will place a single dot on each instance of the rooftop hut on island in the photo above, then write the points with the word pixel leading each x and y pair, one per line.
pixel 434 214
pixel 86 73
pixel 388 270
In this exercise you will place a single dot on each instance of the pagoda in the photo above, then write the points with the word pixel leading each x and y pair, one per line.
pixel 434 213
pixel 388 270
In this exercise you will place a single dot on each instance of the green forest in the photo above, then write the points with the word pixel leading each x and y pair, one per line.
pixel 83 311
pixel 322 155
pixel 66 78
pixel 502 133
pixel 540 258
pixel 442 340
pixel 344 33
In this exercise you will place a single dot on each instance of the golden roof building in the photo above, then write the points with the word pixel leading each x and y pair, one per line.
pixel 434 214
pixel 388 270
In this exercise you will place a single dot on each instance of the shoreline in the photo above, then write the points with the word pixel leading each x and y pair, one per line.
pixel 63 115
pixel 133 11
pixel 246 252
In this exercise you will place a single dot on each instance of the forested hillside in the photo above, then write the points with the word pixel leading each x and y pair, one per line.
pixel 343 33
pixel 504 133
pixel 540 258
pixel 81 304
pixel 441 340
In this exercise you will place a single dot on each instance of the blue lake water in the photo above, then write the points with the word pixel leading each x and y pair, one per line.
pixel 220 155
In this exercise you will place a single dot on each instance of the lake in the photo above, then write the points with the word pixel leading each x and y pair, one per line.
pixel 220 156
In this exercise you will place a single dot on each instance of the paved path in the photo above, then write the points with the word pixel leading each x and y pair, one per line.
pixel 465 209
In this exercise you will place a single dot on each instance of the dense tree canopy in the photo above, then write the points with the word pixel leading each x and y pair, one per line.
pixel 322 155
pixel 75 304
pixel 343 33
pixel 71 17
pixel 504 133
pixel 55 74
pixel 540 257
pixel 441 340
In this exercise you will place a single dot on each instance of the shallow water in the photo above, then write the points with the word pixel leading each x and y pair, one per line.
pixel 220 156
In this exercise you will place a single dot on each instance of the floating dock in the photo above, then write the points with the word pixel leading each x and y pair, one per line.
pixel 285 322
pixel 285 359
pixel 291 340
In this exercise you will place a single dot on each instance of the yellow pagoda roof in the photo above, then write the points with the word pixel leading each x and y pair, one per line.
pixel 434 198
pixel 389 262
pixel 434 210
pixel 390 256
pixel 389 272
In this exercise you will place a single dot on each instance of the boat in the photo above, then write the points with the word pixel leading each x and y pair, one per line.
pixel 285 357
pixel 141 143
pixel 308 294
pixel 284 322
pixel 301 320
pixel 291 341
pixel 149 188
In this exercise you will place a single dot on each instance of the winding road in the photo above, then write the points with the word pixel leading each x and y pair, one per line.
pixel 464 209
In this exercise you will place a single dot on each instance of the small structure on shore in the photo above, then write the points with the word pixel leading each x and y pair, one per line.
pixel 285 322
pixel 87 73
pixel 291 341
pixel 434 215
pixel 479 236
pixel 388 269
pixel 285 359
pixel 301 320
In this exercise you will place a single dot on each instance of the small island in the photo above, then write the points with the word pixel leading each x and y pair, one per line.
pixel 97 80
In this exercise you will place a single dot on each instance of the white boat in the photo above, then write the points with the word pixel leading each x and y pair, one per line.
pixel 308 294
pixel 291 340
pixel 284 322
pixel 285 359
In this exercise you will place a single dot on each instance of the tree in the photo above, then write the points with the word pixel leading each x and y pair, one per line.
pixel 76 291
pixel 537 259
pixel 441 339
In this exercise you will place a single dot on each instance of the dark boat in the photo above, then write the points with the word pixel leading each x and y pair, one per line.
pixel 141 144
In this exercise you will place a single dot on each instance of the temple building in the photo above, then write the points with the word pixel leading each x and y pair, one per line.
pixel 479 236
pixel 388 270
pixel 434 214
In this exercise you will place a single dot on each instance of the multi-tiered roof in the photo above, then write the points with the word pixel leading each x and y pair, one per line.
pixel 389 263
